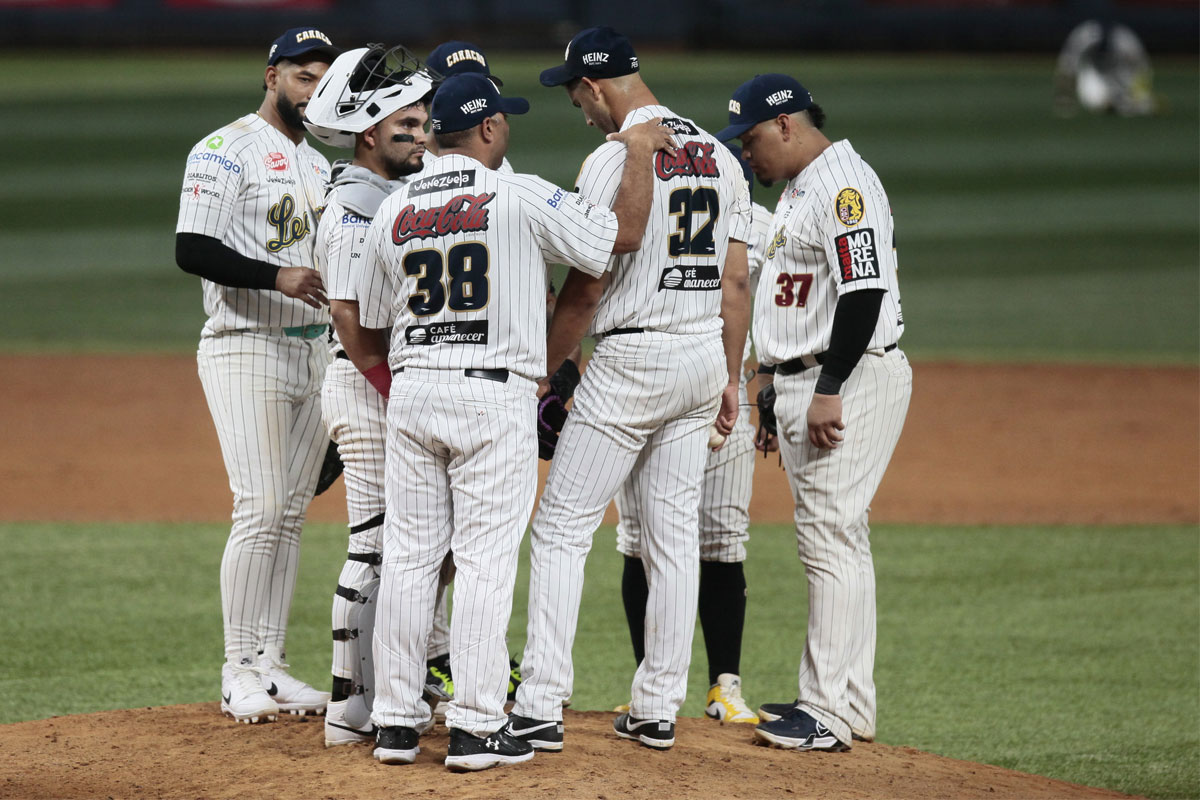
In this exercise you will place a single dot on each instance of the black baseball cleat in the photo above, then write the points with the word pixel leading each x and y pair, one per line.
pixel 798 730
pixel 656 733
pixel 468 753
pixel 546 735
pixel 396 745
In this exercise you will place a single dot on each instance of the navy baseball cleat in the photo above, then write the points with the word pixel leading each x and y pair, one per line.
pixel 769 712
pixel 797 730
pixel 468 753
pixel 546 735
pixel 656 733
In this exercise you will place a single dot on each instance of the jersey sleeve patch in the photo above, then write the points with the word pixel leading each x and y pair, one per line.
pixel 858 257
pixel 849 206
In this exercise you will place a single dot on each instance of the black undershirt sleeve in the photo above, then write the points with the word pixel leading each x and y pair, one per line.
pixel 853 323
pixel 209 258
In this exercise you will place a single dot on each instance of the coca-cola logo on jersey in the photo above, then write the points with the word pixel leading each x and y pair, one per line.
pixel 276 161
pixel 694 158
pixel 463 213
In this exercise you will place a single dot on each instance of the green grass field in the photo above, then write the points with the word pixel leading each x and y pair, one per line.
pixel 1022 236
pixel 1067 652
pixel 1064 652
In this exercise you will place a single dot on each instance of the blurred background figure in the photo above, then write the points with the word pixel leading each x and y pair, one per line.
pixel 1103 67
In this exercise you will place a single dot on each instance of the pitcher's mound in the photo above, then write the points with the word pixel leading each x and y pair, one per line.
pixel 192 751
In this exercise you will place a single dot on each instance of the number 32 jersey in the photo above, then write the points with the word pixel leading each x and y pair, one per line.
pixel 456 265
pixel 832 233
pixel 672 283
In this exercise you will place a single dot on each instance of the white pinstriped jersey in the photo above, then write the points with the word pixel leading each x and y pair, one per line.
pixel 259 193
pixel 341 245
pixel 456 266
pixel 429 166
pixel 756 250
pixel 832 234
pixel 701 201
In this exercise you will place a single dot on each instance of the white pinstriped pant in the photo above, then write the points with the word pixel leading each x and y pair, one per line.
pixel 724 498
pixel 263 390
pixel 462 470
pixel 832 492
pixel 642 412
pixel 356 417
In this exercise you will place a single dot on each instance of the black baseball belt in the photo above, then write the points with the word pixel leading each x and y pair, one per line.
pixel 798 365
pixel 497 375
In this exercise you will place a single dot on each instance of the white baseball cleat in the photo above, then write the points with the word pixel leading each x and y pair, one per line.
pixel 291 695
pixel 340 729
pixel 243 696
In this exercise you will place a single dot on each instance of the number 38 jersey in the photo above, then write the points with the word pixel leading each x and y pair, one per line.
pixel 256 191
pixel 456 265
pixel 701 201
pixel 831 234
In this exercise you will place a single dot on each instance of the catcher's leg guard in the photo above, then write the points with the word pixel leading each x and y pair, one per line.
pixel 353 625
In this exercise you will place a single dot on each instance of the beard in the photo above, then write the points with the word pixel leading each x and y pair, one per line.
pixel 398 167
pixel 291 113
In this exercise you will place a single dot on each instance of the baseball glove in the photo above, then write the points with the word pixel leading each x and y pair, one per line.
pixel 766 411
pixel 552 408
pixel 330 470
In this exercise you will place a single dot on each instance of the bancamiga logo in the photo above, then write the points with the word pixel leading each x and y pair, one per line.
pixel 782 96
pixel 473 106
pixel 595 59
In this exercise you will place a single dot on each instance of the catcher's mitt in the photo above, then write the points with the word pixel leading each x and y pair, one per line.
pixel 330 470
pixel 552 408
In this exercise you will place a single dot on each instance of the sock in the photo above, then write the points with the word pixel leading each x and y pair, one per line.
pixel 722 615
pixel 635 592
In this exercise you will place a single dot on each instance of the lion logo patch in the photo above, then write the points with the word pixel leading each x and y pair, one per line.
pixel 849 207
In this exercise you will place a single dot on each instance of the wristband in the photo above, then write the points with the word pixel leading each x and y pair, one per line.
pixel 380 377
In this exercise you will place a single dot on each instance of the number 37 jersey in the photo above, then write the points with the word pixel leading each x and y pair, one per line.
pixel 672 283
pixel 832 234
pixel 456 265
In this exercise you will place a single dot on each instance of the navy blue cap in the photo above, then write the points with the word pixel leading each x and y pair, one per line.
pixel 464 100
pixel 761 98
pixel 455 58
pixel 299 41
pixel 594 53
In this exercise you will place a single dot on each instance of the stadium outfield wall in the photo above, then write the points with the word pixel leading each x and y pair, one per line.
pixel 1165 26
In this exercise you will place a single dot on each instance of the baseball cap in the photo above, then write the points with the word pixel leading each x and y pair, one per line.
pixel 465 99
pixel 594 53
pixel 761 98
pixel 299 41
pixel 456 57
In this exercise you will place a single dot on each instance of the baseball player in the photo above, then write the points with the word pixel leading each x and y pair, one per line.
pixel 371 99
pixel 457 272
pixel 449 59
pixel 1103 67
pixel 828 320
pixel 252 197
pixel 671 324
pixel 724 531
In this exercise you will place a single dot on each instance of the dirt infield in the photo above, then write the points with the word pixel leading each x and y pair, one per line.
pixel 129 439
pixel 192 752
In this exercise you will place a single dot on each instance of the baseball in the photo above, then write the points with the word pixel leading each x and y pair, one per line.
pixel 715 438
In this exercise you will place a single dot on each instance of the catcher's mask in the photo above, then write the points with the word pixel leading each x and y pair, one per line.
pixel 362 87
